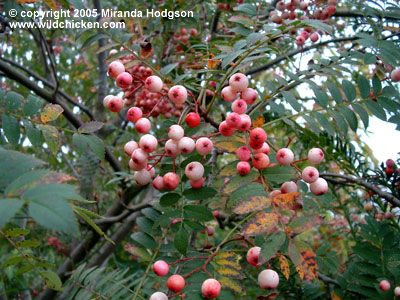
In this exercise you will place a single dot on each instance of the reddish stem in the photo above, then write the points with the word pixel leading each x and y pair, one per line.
pixel 173 164
pixel 158 160
pixel 196 109
pixel 187 258
pixel 195 137
pixel 290 140
pixel 174 295
pixel 299 160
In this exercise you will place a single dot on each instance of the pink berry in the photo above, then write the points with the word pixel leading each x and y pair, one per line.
pixel 384 285
pixel 176 283
pixel 243 167
pixel 243 153
pixel 178 94
pixel 225 129
pixel 161 268
pixel 233 120
pixel 115 104
pixel 130 147
pixel 133 114
pixel 186 145
pixel 143 125
pixel 142 177
pixel 258 135
pixel 193 32
pixel 176 132
pixel 253 256
pixel 228 94
pixel 210 288
pixel 249 95
pixel 153 84
pixel 148 143
pixel 107 100
pixel 238 82
pixel 280 5
pixel 289 187
pixel 331 9
pixel 395 75
pixel 115 68
pixel 268 279
pixel 260 161
pixel 245 123
pixel 314 37
pixel 124 80
pixel 274 193
pixel 204 146
pixel 158 296
pixel 210 230
pixel 310 174
pixel 171 148
pixel 332 2
pixel 300 40
pixel 192 119
pixel 305 34
pixel 264 149
pixel 397 291
pixel 158 183
pixel 139 157
pixel 319 187
pixel 194 170
pixel 315 156
pixel 285 156
pixel 171 180
pixel 197 184
pixel 135 166
pixel 239 106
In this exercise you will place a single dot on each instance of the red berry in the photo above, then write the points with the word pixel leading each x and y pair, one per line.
pixel 384 285
pixel 243 153
pixel 210 288
pixel 243 168
pixel 171 180
pixel 161 268
pixel 175 283
pixel 258 135
pixel 225 129
pixel 134 113
pixel 192 119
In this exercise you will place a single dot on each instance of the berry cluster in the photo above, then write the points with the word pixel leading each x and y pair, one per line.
pixel 55 243
pixel 384 285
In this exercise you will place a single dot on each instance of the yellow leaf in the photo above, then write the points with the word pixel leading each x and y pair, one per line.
pixel 229 272
pixel 259 121
pixel 228 144
pixel 26 1
pixel 262 223
pixel 304 259
pixel 228 263
pixel 284 264
pixel 232 285
pixel 51 4
pixel 334 296
pixel 289 201
pixel 224 255
pixel 50 113
pixel 255 203
pixel 212 63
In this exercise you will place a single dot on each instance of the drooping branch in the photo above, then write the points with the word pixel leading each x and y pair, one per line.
pixel 359 181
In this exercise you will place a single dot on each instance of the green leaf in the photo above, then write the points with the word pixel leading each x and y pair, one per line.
pixel 52 280
pixel 291 100
pixel 362 113
pixel 271 246
pixel 376 85
pixel 94 38
pixel 32 105
pixel 320 96
pixel 376 110
pixel 318 25
pixel 12 260
pixel 17 232
pixel 52 137
pixel 168 68
pixel 34 135
pixel 8 208
pixel 247 8
pixel 90 127
pixel 11 129
pixel 169 199
pixel 97 146
pixel 350 117
pixel 25 179
pixel 200 194
pixel 145 240
pixel 24 269
pixel 340 123
pixel 181 240
pixel 199 213
pixel 369 58
pixel 27 244
pixel 349 90
pixel 335 92
pixel 278 174
pixel 13 101
pixel 363 86
pixel 245 193
pixel 304 223
pixel 324 123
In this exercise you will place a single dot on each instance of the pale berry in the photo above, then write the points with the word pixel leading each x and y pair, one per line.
pixel 305 34
pixel 253 256
pixel 274 193
pixel 249 95
pixel 115 68
pixel 260 161
pixel 285 156
pixel 243 153
pixel 245 123
pixel 210 288
pixel 315 156
pixel 139 157
pixel 204 146
pixel 210 230
pixel 171 148
pixel 124 80
pixel 158 296
pixel 153 84
pixel 134 113
pixel 194 170
pixel 280 5
pixel 243 167
pixel 186 145
pixel 148 143
pixel 314 37
pixel 397 291
pixel 228 94
pixel 142 177
pixel 151 170
pixel 192 119
pixel 130 147
pixel 319 187
pixel 264 149
pixel 158 183
pixel 225 129
pixel 268 279
pixel 197 184
pixel 178 94
pixel 176 283
pixel 115 104
pixel 258 135
pixel 384 285
pixel 143 125
pixel 161 268
pixel 107 100
pixel 310 174
pixel 176 132
pixel 171 180
pixel 239 106
pixel 135 166
pixel 395 75
pixel 233 120
pixel 289 187
pixel 238 82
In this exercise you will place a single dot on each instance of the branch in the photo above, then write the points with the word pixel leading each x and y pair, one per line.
pixel 389 197
pixel 356 14
pixel 327 279
pixel 294 52
pixel 124 214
